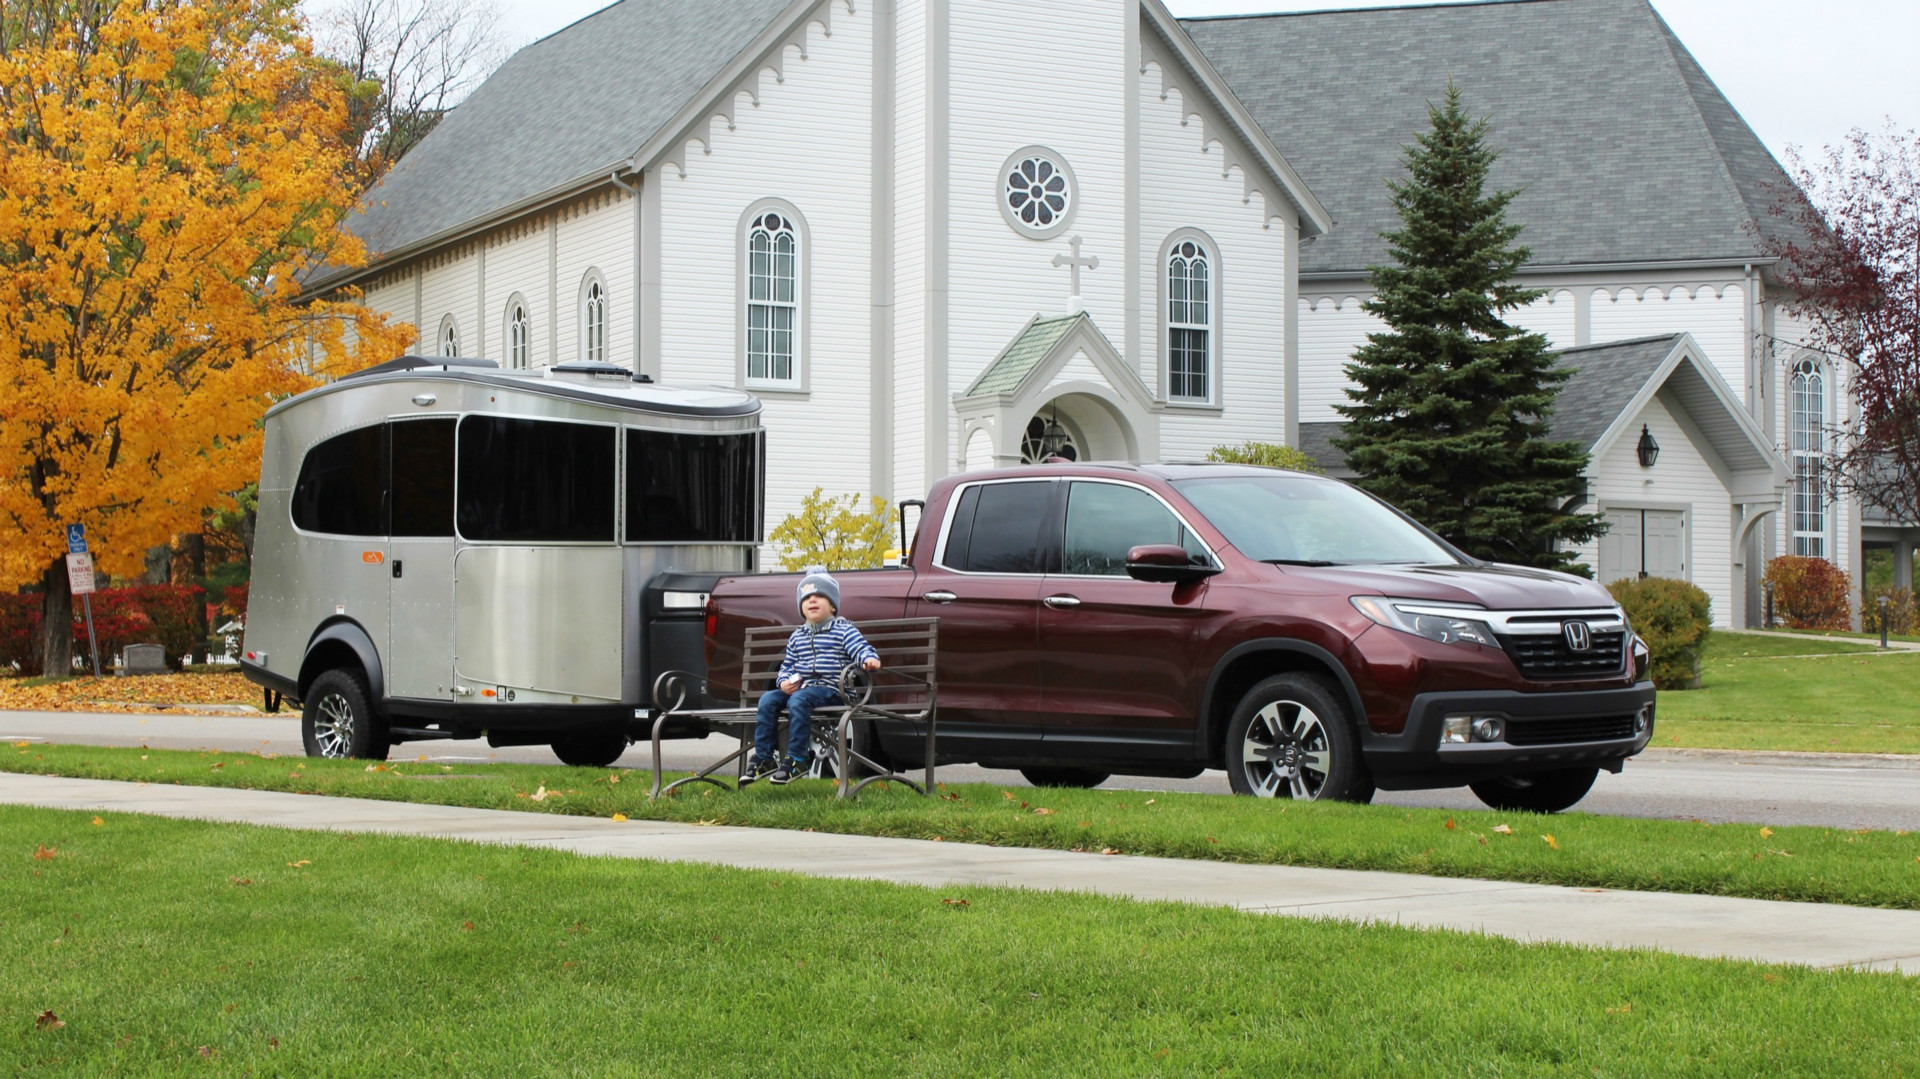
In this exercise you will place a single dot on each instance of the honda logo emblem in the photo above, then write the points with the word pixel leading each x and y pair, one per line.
pixel 1579 636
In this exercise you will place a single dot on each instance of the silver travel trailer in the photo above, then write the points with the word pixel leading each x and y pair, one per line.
pixel 448 550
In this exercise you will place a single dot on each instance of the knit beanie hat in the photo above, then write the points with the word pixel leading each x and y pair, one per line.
pixel 818 582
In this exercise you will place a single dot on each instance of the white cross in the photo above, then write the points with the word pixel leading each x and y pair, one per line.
pixel 1074 262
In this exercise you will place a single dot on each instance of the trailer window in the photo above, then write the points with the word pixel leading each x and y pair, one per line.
pixel 684 488
pixel 532 481
pixel 422 477
pixel 341 485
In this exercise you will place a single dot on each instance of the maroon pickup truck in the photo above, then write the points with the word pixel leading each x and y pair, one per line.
pixel 1291 629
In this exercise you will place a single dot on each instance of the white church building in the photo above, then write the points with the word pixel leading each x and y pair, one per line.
pixel 922 231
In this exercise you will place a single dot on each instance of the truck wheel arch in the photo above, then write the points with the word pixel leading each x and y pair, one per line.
pixel 340 642
pixel 1247 663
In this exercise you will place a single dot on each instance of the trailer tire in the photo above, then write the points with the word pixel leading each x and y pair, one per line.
pixel 337 719
pixel 592 749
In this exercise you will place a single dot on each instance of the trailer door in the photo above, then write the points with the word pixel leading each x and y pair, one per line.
pixel 420 559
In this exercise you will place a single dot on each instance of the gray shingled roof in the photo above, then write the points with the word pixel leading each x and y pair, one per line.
pixel 1605 380
pixel 561 110
pixel 1624 148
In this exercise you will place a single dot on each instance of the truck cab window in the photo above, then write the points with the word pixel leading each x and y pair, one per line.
pixel 342 485
pixel 1009 529
pixel 1105 520
pixel 421 477
pixel 684 488
pixel 535 481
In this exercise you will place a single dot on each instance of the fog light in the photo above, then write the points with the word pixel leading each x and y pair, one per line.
pixel 1456 729
pixel 1488 729
pixel 1643 721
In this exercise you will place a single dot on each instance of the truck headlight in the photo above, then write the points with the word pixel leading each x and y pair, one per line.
pixel 1441 622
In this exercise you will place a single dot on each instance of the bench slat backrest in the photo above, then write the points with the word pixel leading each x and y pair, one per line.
pixel 907 646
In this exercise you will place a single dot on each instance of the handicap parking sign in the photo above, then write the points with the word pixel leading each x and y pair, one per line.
pixel 76 539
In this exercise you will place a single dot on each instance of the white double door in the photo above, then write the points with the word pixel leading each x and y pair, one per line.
pixel 1644 543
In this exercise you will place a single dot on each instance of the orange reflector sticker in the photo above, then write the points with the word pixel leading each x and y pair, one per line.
pixel 372 558
pixel 486 693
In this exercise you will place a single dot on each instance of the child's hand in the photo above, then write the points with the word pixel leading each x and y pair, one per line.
pixel 872 663
pixel 791 685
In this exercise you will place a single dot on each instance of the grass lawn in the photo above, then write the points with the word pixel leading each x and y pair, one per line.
pixel 166 946
pixel 1765 692
pixel 1578 849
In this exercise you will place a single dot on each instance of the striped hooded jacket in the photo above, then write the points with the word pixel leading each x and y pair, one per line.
pixel 817 655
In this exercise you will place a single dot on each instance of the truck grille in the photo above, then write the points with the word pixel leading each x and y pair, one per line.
pixel 1543 656
pixel 1546 732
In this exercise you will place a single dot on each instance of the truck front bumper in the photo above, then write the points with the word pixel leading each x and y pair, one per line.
pixel 1541 732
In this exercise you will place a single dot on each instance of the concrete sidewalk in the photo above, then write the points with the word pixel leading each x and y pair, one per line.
pixel 1810 934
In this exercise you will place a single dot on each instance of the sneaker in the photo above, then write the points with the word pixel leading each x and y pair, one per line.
pixel 789 770
pixel 758 769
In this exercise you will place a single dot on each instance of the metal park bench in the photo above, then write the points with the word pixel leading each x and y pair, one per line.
pixel 903 690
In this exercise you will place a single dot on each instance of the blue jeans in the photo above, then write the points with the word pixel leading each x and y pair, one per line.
pixel 799 706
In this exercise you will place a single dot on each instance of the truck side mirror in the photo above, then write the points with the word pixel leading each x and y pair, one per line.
pixel 1166 563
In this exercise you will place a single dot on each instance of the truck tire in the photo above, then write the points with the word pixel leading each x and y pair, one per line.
pixel 1081 778
pixel 1292 737
pixel 1537 792
pixel 592 749
pixel 338 721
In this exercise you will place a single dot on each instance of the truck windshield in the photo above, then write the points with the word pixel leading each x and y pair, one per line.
pixel 1305 520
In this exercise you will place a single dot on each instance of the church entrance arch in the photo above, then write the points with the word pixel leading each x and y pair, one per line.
pixel 1079 426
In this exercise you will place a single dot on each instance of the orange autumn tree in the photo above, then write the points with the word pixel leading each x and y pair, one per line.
pixel 170 171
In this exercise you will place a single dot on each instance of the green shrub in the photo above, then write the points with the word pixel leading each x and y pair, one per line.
pixel 835 532
pixel 1901 616
pixel 1270 454
pixel 1674 618
pixel 1810 593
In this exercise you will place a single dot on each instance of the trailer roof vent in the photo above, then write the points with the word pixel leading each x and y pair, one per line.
pixel 592 372
pixel 416 363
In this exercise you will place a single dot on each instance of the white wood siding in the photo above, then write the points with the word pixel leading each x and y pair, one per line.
pixel 807 143
pixel 910 251
pixel 1181 187
pixel 1682 479
pixel 1332 326
pixel 517 262
pixel 595 233
pixel 1552 315
pixel 449 285
pixel 1714 315
pixel 391 294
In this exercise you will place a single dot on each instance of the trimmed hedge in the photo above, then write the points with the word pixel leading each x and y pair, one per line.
pixel 1810 593
pixel 1675 618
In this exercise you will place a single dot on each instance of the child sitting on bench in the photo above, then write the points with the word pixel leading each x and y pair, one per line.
pixel 809 678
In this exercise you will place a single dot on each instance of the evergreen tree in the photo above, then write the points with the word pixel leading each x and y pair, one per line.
pixel 1449 420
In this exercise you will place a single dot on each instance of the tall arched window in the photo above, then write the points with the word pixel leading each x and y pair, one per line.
pixel 593 320
pixel 519 335
pixel 773 301
pixel 1190 307
pixel 449 337
pixel 1806 433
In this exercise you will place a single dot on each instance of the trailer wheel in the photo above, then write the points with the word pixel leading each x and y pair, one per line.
pixel 338 721
pixel 594 749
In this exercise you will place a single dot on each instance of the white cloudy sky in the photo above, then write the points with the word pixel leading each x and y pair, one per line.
pixel 1801 71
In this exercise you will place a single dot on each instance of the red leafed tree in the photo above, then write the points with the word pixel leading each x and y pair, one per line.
pixel 1854 274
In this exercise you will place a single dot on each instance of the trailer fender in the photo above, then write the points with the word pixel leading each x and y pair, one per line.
pixel 325 651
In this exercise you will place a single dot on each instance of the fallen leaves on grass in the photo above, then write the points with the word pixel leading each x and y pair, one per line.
pixel 955 902
pixel 1623 1009
pixel 301 864
pixel 44 853
pixel 1449 824
pixel 97 822
pixel 1766 833
pixel 1043 811
pixel 618 817
pixel 1503 829
pixel 49 1021
pixel 179 692
pixel 1551 842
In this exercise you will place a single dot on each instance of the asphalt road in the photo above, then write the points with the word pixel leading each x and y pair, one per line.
pixel 1717 786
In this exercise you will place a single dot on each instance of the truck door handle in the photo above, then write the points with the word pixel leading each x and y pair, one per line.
pixel 1061 603
pixel 939 596
pixel 396 569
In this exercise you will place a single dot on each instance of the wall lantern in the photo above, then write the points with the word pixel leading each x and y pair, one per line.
pixel 1053 437
pixel 1647 449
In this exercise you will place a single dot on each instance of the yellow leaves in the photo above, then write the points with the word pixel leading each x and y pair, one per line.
pixel 97 822
pixel 377 768
pixel 614 778
pixel 1502 829
pixel 1008 795
pixel 1042 811
pixel 301 864
pixel 542 794
pixel 1766 833
pixel 1551 842
pixel 1150 801
pixel 1624 1009
pixel 125 694
pixel 619 817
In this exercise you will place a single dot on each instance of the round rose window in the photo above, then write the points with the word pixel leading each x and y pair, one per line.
pixel 1037 192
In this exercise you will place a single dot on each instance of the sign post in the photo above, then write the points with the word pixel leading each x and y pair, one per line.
pixel 80 583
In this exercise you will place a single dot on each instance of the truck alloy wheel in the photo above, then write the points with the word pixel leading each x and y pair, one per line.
pixel 1537 792
pixel 1291 738
pixel 336 720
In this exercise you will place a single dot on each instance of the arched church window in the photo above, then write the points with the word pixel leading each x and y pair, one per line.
pixel 1190 306
pixel 773 301
pixel 1037 192
pixel 1806 434
pixel 449 337
pixel 519 335
pixel 1047 437
pixel 593 320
